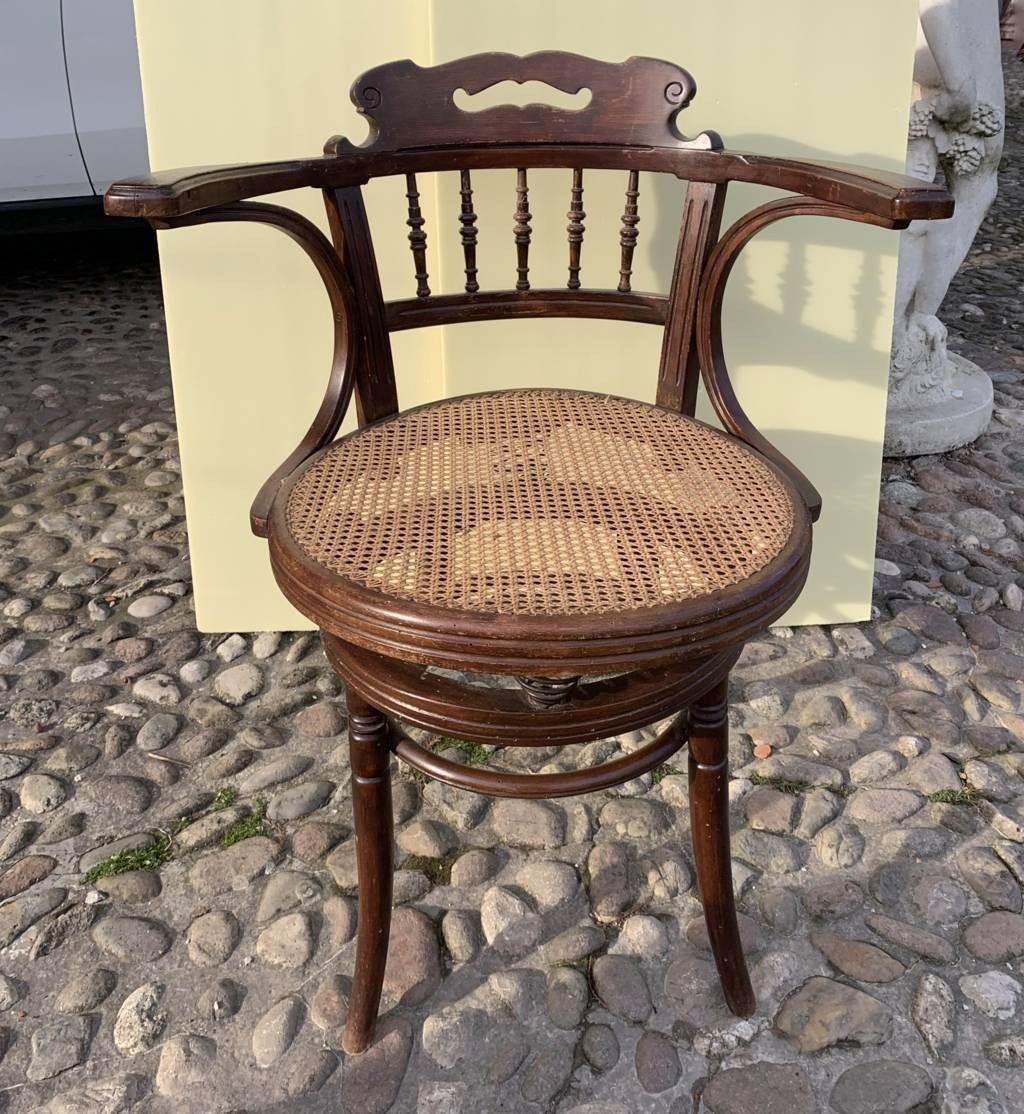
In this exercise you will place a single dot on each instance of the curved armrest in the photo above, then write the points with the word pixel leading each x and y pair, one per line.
pixel 896 197
pixel 341 382
pixel 175 193
pixel 713 369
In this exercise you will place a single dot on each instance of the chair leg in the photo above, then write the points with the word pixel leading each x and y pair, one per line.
pixel 374 830
pixel 709 822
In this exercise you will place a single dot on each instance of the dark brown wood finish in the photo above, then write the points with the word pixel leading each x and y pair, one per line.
pixel 635 101
pixel 666 658
pixel 177 192
pixel 709 829
pixel 575 229
pixel 521 230
pixel 376 393
pixel 417 237
pixel 678 374
pixel 629 233
pixel 467 221
pixel 370 758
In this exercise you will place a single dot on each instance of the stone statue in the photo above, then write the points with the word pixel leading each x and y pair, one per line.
pixel 937 399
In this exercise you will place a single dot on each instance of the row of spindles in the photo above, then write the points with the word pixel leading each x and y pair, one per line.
pixel 522 231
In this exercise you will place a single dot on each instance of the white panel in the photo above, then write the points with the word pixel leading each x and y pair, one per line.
pixel 106 91
pixel 39 157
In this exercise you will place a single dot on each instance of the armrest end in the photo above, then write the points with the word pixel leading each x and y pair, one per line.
pixel 176 193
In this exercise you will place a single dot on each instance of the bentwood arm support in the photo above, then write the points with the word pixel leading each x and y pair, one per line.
pixel 893 202
pixel 341 381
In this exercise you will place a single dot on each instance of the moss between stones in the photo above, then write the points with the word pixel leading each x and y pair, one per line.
pixel 438 871
pixel 155 855
pixel 247 827
pixel 152 858
pixel 955 796
pixel 473 754
pixel 794 788
pixel 659 773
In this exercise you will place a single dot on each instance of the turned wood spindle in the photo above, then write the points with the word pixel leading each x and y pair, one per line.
pixel 521 229
pixel 628 235
pixel 417 237
pixel 575 228
pixel 467 219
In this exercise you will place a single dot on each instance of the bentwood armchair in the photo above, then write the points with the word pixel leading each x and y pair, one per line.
pixel 612 556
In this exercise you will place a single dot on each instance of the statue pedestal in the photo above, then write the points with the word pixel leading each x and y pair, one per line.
pixel 958 416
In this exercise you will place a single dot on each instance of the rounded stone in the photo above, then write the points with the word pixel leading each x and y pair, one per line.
pixel 307 1070
pixel 619 983
pixel 41 793
pixel 212 937
pixel 13 764
pixel 148 607
pixel 86 992
pixel 276 1029
pixel 428 838
pixel 839 845
pixel 238 684
pixel 132 939
pixel 551 885
pixel 24 873
pixel 600 1047
pixel 288 942
pixel 59 1046
pixel 996 937
pixel 315 838
pixel 372 1080
pixel 339 919
pixel 219 1001
pixel 526 823
pixel 185 1062
pixel 567 997
pixel 858 959
pixel 328 1008
pixel 140 1021
pixel 130 795
pixel 993 992
pixel 642 936
pixel 299 800
pixel 134 887
pixel 157 731
pixel 823 1013
pixel 764 1087
pixel 882 1087
pixel 157 688
pixel 413 970
pixel 461 935
pixel 657 1063
pixel 11 991
pixel 509 924
pixel 320 720
pixel 473 868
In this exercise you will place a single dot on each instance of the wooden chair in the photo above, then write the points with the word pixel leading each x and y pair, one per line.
pixel 610 555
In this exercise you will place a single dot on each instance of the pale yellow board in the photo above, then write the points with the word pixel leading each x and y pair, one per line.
pixel 808 314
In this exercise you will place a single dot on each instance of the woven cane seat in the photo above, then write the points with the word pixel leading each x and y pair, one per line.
pixel 538 504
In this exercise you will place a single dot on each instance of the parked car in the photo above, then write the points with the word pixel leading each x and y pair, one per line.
pixel 70 100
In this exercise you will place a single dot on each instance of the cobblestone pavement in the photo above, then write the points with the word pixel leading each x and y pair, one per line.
pixel 545 957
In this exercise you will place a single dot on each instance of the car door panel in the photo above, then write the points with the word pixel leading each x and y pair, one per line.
pixel 39 154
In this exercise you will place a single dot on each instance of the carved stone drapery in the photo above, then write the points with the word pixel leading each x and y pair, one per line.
pixel 937 399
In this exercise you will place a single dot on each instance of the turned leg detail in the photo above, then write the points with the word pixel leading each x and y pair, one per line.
pixel 374 824
pixel 709 821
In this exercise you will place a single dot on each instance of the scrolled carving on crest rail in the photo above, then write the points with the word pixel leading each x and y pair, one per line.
pixel 411 106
